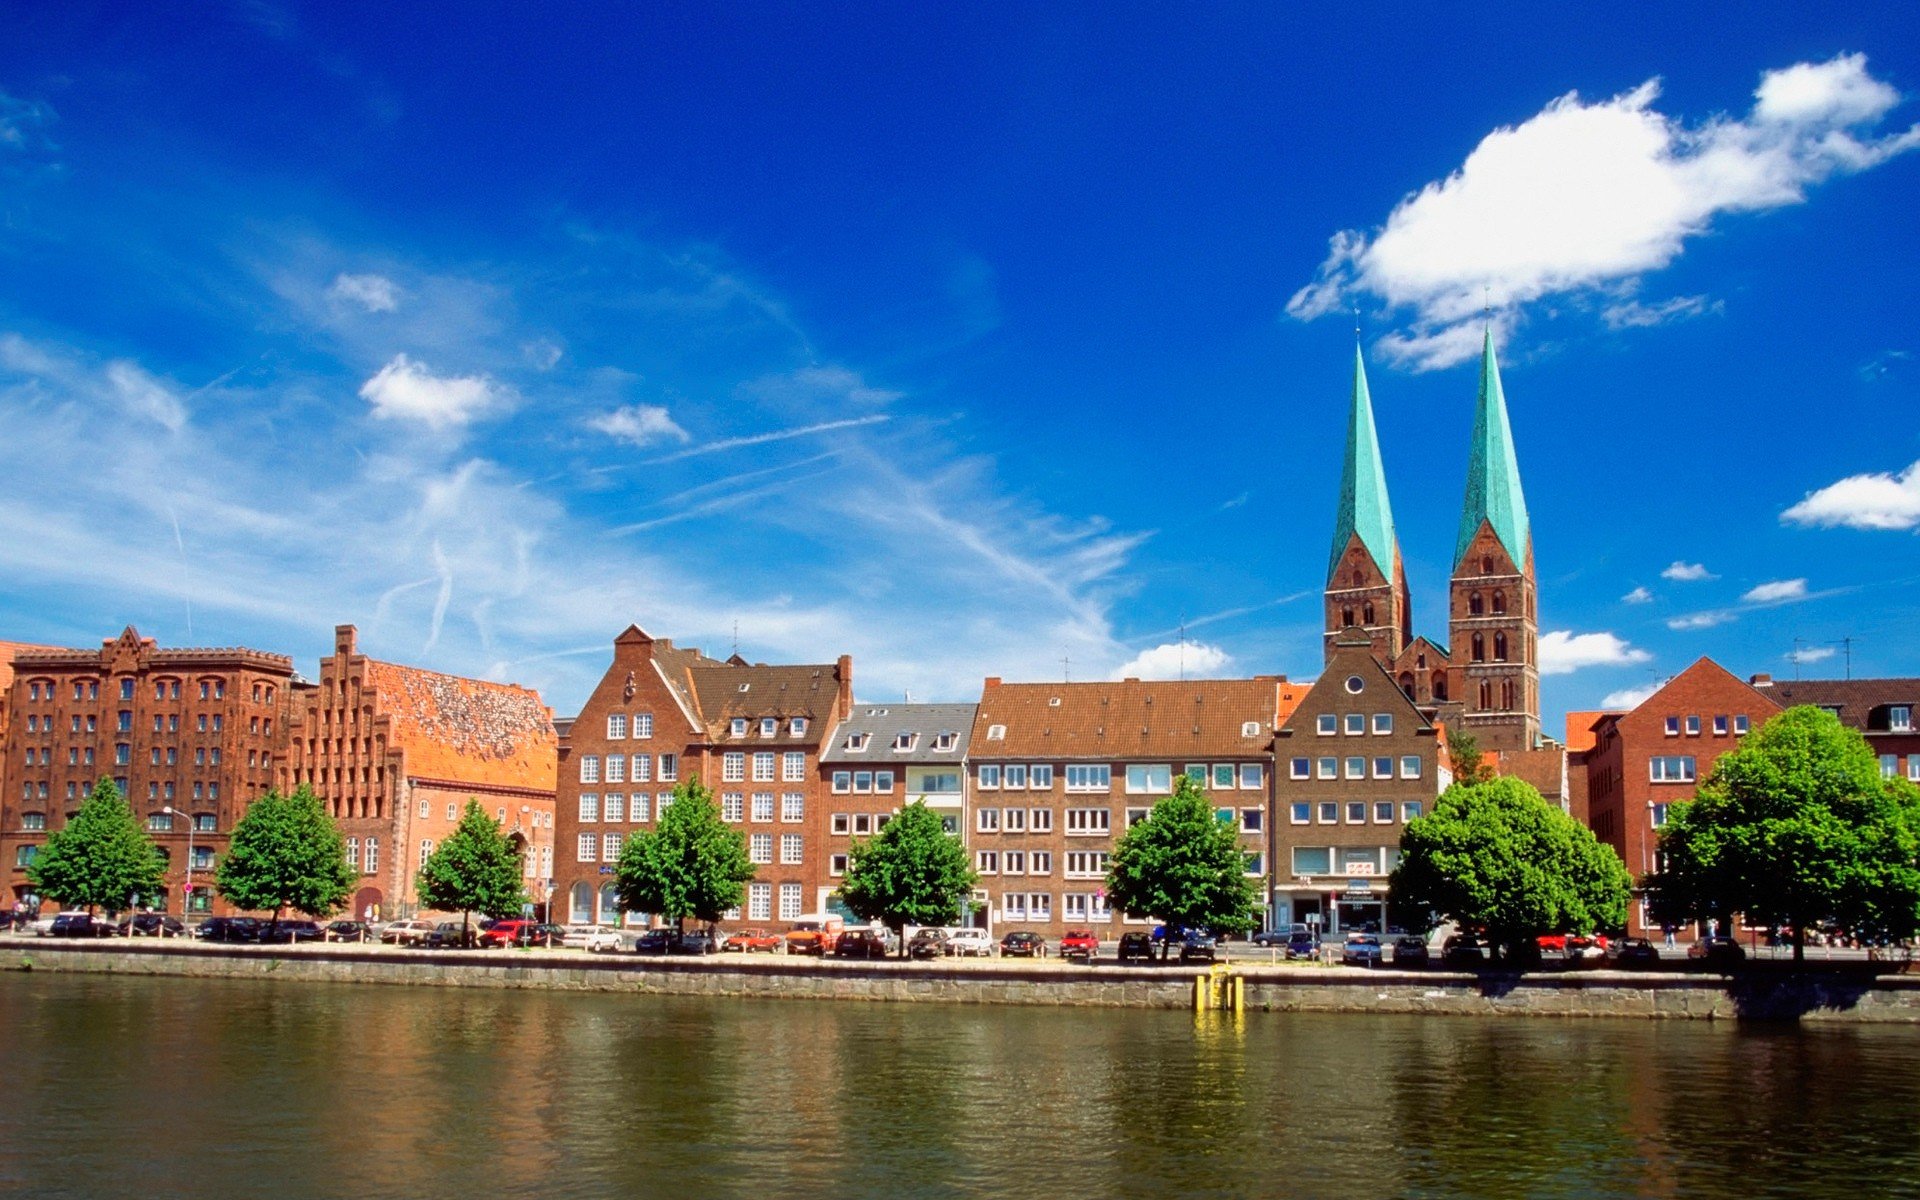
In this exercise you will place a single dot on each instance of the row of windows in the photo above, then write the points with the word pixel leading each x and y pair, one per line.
pixel 618 806
pixel 372 866
pixel 617 726
pixel 769 727
pixel 793 807
pixel 1358 812
pixel 1328 724
pixel 903 743
pixel 1721 724
pixel 1672 768
pixel 760 901
pixel 863 781
pixel 1345 860
pixel 1141 778
pixel 617 766
pixel 1356 767
pixel 1890 766
pixel 793 766
pixel 163 689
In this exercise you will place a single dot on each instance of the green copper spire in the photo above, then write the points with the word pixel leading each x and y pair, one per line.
pixel 1493 471
pixel 1363 484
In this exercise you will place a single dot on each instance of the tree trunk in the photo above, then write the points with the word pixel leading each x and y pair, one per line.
pixel 466 927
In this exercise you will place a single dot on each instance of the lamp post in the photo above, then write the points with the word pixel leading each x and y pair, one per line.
pixel 186 897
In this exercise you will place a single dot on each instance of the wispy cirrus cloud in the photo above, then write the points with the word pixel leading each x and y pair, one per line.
pixel 776 435
pixel 1585 198
pixel 375 293
pixel 1776 591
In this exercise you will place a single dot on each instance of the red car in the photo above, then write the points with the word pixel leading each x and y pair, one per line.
pixel 749 940
pixel 504 933
pixel 1081 944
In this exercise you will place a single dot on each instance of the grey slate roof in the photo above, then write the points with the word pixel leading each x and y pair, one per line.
pixel 884 723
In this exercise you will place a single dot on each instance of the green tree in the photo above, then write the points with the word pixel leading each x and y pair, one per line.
pixel 913 872
pixel 101 859
pixel 691 864
pixel 1469 764
pixel 1184 866
pixel 1794 827
pixel 476 869
pixel 286 853
pixel 1494 856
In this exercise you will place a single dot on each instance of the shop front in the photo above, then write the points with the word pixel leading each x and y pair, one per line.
pixel 1332 907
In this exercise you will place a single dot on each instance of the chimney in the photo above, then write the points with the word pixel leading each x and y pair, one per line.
pixel 1761 681
pixel 345 638
pixel 844 669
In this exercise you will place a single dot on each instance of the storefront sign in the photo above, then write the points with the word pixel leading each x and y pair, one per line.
pixel 1359 887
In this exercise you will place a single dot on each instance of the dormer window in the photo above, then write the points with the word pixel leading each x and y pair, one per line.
pixel 798 726
pixel 904 742
pixel 996 733
pixel 945 742
pixel 738 727
pixel 769 727
pixel 857 742
pixel 1900 718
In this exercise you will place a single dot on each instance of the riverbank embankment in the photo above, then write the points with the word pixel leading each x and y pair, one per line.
pixel 1815 995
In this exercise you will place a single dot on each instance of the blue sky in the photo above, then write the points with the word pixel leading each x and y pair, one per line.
pixel 967 342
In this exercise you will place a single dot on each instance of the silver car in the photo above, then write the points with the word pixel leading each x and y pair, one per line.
pixel 598 939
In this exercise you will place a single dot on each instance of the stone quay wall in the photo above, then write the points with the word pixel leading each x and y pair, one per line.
pixel 1811 996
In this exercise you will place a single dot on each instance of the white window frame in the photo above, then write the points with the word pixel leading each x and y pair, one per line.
pixel 793 767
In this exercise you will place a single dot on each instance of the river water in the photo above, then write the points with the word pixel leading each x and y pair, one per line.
pixel 242 1088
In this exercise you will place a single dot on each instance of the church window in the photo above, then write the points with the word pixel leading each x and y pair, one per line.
pixel 1499 603
pixel 1356 577
pixel 1479 648
pixel 1439 685
pixel 1346 617
pixel 1366 612
pixel 1406 683
pixel 1486 694
pixel 1476 605
pixel 1486 564
pixel 1506 694
pixel 1499 647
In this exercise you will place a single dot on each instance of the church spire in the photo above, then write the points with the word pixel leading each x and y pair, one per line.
pixel 1493 472
pixel 1364 510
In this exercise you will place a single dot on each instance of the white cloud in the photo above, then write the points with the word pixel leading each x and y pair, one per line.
pixel 1586 197
pixel 375 293
pixel 1872 501
pixel 1686 572
pixel 640 424
pixel 1562 652
pixel 1702 620
pixel 405 390
pixel 1629 698
pixel 1639 595
pixel 1174 660
pixel 1776 592
pixel 1809 654
pixel 1632 314
pixel 142 394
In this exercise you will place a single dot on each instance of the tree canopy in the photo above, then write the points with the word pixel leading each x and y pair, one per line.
pixel 101 859
pixel 286 853
pixel 1463 750
pixel 475 870
pixel 1497 857
pixel 690 864
pixel 1794 827
pixel 913 872
pixel 1184 866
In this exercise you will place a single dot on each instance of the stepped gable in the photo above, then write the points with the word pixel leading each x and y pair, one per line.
pixel 1132 718
pixel 466 730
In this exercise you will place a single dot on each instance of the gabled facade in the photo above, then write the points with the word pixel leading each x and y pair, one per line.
pixel 750 732
pixel 1356 760
pixel 885 756
pixel 395 753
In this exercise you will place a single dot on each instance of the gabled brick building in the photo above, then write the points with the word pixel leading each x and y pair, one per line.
pixel 1645 761
pixel 1881 709
pixel 751 732
pixel 883 757
pixel 1058 770
pixel 190 736
pixel 395 753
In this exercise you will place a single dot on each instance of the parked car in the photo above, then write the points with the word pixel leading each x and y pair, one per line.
pixel 967 943
pixel 749 940
pixel 1081 944
pixel 1717 953
pixel 228 929
pixel 1136 947
pixel 545 935
pixel 653 941
pixel 1302 943
pixel 1023 943
pixel 42 926
pixel 1197 945
pixel 348 931
pixel 814 933
pixel 151 925
pixel 1362 950
pixel 600 939
pixel 1411 952
pixel 860 943
pixel 80 925
pixel 1463 950
pixel 407 933
pixel 1274 939
pixel 927 943
pixel 285 933
pixel 1585 951
pixel 1636 954
pixel 448 935
pixel 499 934
pixel 695 941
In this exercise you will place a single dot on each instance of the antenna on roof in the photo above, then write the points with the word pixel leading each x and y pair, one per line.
pixel 1796 657
pixel 1183 647
pixel 1066 668
pixel 1846 644
pixel 736 635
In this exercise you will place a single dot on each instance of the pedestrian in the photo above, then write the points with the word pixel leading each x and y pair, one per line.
pixel 1667 931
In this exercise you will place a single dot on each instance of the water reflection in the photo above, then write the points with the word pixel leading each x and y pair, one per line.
pixel 162 1087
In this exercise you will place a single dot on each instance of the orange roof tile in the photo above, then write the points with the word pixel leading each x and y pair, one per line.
pixel 8 650
pixel 1130 719
pixel 466 730
pixel 1582 727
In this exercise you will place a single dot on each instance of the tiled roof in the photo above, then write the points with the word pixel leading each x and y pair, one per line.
pixel 1158 719
pixel 9 649
pixel 1582 730
pixel 466 730
pixel 882 724
pixel 725 690
pixel 1861 702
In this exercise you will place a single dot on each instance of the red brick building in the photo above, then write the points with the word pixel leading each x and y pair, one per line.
pixel 1881 709
pixel 190 736
pixel 1057 771
pixel 750 732
pixel 396 752
pixel 1645 761
pixel 883 757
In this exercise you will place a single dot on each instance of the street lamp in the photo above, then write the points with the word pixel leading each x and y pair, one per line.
pixel 186 897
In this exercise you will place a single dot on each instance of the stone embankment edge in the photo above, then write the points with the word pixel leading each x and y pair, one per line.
pixel 1814 997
